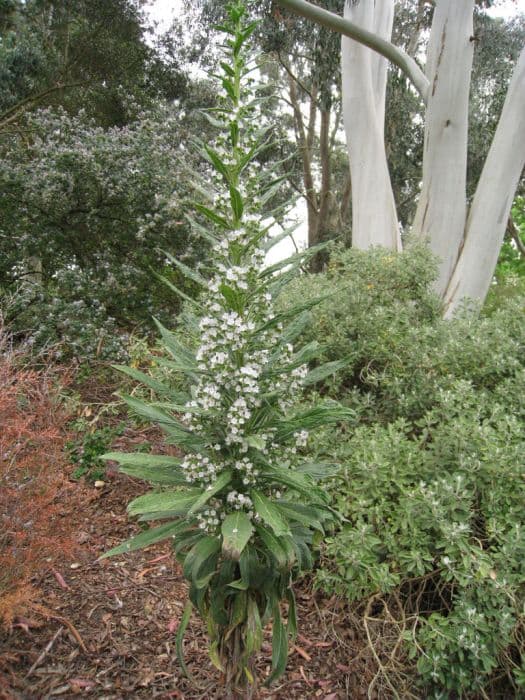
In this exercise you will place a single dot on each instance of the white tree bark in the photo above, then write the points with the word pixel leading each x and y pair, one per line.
pixel 493 200
pixel 364 72
pixel 442 207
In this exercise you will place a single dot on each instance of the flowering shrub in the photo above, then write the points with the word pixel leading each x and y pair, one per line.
pixel 432 487
pixel 243 505
pixel 86 212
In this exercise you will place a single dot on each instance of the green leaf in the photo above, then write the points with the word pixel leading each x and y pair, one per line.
pixel 302 514
pixel 204 552
pixel 145 539
pixel 188 272
pixel 291 627
pixel 180 435
pixel 177 291
pixel 295 259
pixel 158 469
pixel 213 652
pixel 218 164
pixel 227 69
pixel 154 384
pixel 202 230
pixel 180 635
pixel 319 470
pixel 228 86
pixel 212 216
pixel 256 441
pixel 220 482
pixel 176 349
pixel 273 546
pixel 254 632
pixel 236 203
pixel 279 646
pixel 270 513
pixel 324 371
pixel 234 133
pixel 236 531
pixel 296 481
pixel 176 502
pixel 317 417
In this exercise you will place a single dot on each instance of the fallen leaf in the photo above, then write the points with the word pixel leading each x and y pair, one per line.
pixel 173 624
pixel 60 579
pixel 302 653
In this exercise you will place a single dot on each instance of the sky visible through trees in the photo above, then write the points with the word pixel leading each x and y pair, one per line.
pixel 163 12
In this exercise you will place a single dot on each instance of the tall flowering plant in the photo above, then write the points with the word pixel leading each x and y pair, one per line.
pixel 242 506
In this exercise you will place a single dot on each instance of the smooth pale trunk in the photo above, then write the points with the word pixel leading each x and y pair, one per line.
pixel 442 208
pixel 493 200
pixel 374 217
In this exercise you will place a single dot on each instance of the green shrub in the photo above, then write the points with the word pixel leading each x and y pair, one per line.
pixel 432 485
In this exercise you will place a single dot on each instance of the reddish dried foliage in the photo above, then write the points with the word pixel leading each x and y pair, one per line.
pixel 34 488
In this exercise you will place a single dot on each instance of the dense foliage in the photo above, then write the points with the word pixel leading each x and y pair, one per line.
pixel 432 482
pixel 87 212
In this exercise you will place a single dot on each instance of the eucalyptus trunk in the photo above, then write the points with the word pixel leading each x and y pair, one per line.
pixel 466 242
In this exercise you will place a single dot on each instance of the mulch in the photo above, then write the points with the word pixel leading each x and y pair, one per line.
pixel 106 630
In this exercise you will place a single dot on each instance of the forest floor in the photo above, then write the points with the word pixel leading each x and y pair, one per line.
pixel 106 629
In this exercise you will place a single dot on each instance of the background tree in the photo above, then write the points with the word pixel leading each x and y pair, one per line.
pixel 467 246
pixel 93 54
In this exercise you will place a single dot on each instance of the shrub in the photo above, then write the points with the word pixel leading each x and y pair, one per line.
pixel 432 483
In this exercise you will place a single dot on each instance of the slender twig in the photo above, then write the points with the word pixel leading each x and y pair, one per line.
pixel 46 651
pixel 344 26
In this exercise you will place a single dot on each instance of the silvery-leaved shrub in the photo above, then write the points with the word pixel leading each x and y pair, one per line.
pixel 241 506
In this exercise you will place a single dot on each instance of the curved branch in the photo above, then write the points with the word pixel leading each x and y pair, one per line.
pixel 338 24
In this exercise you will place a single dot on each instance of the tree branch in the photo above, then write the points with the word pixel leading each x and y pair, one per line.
pixel 512 229
pixel 338 24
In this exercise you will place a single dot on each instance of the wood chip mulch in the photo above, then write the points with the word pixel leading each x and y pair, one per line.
pixel 106 630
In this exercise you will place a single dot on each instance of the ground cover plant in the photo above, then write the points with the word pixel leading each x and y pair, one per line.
pixel 243 510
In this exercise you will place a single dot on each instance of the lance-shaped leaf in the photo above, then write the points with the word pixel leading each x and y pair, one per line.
pixel 157 469
pixel 275 548
pixel 296 481
pixel 176 290
pixel 271 515
pixel 316 417
pixel 187 271
pixel 324 371
pixel 220 482
pixel 145 539
pixel 236 531
pixel 236 203
pixel 176 502
pixel 177 432
pixel 306 515
pixel 204 551
pixel 213 217
pixel 295 259
pixel 279 646
pixel 254 634
pixel 179 638
pixel 217 163
pixel 319 470
pixel 202 230
pixel 152 383
pixel 176 349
